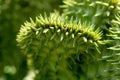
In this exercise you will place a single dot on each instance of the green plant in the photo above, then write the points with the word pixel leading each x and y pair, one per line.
pixel 82 43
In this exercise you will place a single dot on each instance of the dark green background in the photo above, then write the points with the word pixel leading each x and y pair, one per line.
pixel 13 13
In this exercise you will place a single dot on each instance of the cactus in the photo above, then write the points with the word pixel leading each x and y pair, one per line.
pixel 105 15
pixel 82 43
pixel 98 12
pixel 53 44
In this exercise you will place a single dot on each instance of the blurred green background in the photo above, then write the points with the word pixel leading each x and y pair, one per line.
pixel 13 13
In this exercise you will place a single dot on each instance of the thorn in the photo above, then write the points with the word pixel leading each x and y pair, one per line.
pixel 53 36
pixel 118 54
pixel 90 41
pixel 79 34
pixel 108 13
pixel 52 28
pixel 98 50
pixel 85 39
pixel 58 30
pixel 45 30
pixel 106 57
pixel 74 41
pixel 62 36
pixel 73 36
pixel 32 21
pixel 37 32
pixel 102 3
pixel 92 4
pixel 66 33
pixel 95 44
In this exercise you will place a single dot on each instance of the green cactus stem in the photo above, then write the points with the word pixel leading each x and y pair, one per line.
pixel 60 48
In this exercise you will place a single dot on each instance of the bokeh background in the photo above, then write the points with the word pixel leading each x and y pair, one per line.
pixel 13 13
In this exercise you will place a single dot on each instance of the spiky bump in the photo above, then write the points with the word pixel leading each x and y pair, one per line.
pixel 112 53
pixel 98 12
pixel 115 42
pixel 52 43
